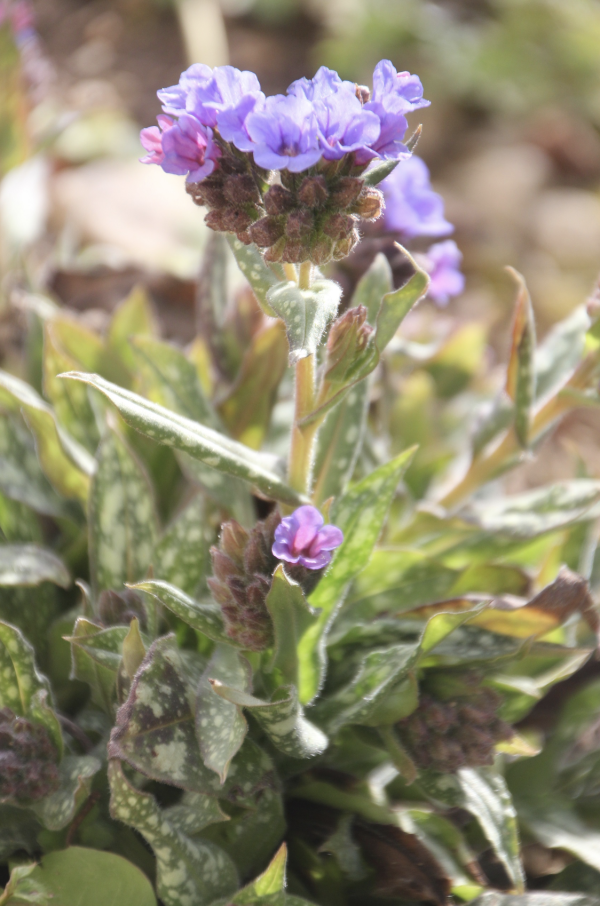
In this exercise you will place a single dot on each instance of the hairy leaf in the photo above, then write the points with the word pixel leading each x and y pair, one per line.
pixel 181 553
pixel 96 657
pixel 205 618
pixel 220 725
pixel 305 313
pixel 57 809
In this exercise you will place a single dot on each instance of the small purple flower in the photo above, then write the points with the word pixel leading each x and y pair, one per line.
pixel 174 99
pixel 151 139
pixel 324 83
pixel 442 263
pixel 303 538
pixel 284 133
pixel 188 147
pixel 394 95
pixel 411 205
pixel 344 124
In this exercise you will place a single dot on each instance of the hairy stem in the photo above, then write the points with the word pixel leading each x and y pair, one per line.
pixel 305 275
pixel 301 451
pixel 290 272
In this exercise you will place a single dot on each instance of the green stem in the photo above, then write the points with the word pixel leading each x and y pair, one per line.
pixel 301 451
pixel 305 275
pixel 290 272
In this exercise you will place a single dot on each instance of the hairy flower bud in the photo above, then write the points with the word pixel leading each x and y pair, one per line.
pixel 343 247
pixel 275 252
pixel 236 220
pixel 240 189
pixel 346 191
pixel 278 200
pixel 28 759
pixel 266 231
pixel 213 195
pixel 338 226
pixel 313 191
pixel 370 204
pixel 348 339
pixel 463 732
pixel 299 224
pixel 243 567
pixel 322 251
pixel 295 251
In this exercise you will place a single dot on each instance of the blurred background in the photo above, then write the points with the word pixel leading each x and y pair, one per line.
pixel 512 139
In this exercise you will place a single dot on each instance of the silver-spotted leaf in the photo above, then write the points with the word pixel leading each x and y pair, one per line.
pixel 305 313
pixel 57 809
pixel 96 656
pixel 21 476
pixel 220 725
pixel 204 617
pixel 30 564
pixel 181 553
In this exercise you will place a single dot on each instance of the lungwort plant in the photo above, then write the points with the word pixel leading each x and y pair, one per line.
pixel 271 631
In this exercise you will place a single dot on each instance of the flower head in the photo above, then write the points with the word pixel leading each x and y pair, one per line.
pixel 324 83
pixel 187 147
pixel 412 207
pixel 394 95
pixel 442 263
pixel 303 538
pixel 284 133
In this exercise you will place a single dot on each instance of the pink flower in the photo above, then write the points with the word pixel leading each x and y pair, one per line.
pixel 151 139
pixel 185 146
pixel 303 538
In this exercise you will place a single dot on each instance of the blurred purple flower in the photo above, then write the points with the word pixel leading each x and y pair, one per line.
pixel 284 133
pixel 184 147
pixel 174 99
pixel 442 263
pixel 411 205
pixel 303 538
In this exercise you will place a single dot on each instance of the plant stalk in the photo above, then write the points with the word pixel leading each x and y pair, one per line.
pixel 301 451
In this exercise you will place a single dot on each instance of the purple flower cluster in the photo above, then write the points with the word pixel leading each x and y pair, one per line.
pixel 442 262
pixel 324 117
pixel 412 207
pixel 303 538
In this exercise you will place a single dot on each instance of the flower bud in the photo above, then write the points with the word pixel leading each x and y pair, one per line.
pixel 322 251
pixel 278 200
pixel 28 759
pixel 348 339
pixel 343 248
pixel 313 191
pixel 370 204
pixel 346 191
pixel 338 226
pixel 214 220
pixel 266 231
pixel 299 224
pixel 235 220
pixel 241 189
pixel 295 251
pixel 275 252
pixel 213 195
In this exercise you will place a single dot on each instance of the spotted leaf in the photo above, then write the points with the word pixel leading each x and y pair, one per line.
pixel 21 476
pixel 181 553
pixel 30 564
pixel 57 809
pixel 96 657
pixel 205 618
pixel 220 724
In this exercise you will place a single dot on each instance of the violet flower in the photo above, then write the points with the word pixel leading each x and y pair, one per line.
pixel 344 125
pixel 175 98
pixel 324 83
pixel 284 133
pixel 442 263
pixel 151 139
pixel 394 95
pixel 188 147
pixel 412 207
pixel 303 538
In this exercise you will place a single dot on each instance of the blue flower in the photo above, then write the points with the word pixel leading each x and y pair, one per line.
pixel 394 95
pixel 442 263
pixel 284 133
pixel 411 205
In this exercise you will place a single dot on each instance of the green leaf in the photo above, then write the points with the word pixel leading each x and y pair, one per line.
pixel 487 798
pixel 378 171
pixel 96 657
pixel 22 888
pixel 291 615
pixel 89 877
pixel 30 564
pixel 258 274
pixel 194 813
pixel 535 512
pixel 21 477
pixel 212 448
pixel 305 313
pixel 339 444
pixel 133 317
pixel 155 728
pixel 396 305
pixel 520 375
pixel 246 410
pixel 71 402
pixel 23 688
pixel 561 351
pixel 376 283
pixel 205 618
pixel 58 809
pixel 380 693
pixel 268 889
pixel 172 381
pixel 181 553
pixel 122 517
pixel 220 725
pixel 360 513
pixel 188 872
pixel 66 464
pixel 282 720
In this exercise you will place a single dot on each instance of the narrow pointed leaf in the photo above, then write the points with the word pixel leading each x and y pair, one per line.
pixel 291 615
pixel 378 171
pixel 258 274
pixel 133 317
pixel 205 618
pixel 373 286
pixel 65 463
pixel 520 376
pixel 181 553
pixel 396 305
pixel 30 564
pixel 188 872
pixel 122 517
pixel 71 402
pixel 202 443
pixel 361 514
pixel 339 444
pixel 21 476
pixel 220 725
pixel 282 720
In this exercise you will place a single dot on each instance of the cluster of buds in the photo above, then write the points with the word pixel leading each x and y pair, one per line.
pixel 243 567
pixel 28 769
pixel 284 172
pixel 447 735
pixel 118 608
